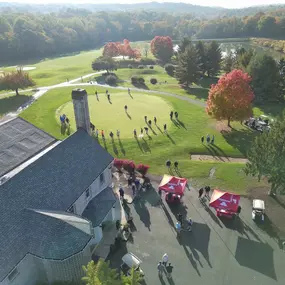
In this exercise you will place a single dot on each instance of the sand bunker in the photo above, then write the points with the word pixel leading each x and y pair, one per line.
pixel 25 68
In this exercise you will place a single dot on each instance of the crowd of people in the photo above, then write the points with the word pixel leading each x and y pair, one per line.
pixel 137 133
pixel 208 139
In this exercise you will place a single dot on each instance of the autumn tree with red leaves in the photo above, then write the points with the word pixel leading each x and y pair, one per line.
pixel 111 50
pixel 162 48
pixel 230 99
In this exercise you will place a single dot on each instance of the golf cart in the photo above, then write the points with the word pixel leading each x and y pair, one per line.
pixel 129 260
pixel 258 209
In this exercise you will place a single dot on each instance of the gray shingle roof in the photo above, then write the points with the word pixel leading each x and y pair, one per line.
pixel 53 183
pixel 20 140
pixel 98 208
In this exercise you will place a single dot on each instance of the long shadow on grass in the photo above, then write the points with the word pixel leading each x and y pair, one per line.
pixel 139 144
pixel 12 103
pixel 170 138
pixel 159 129
pixel 206 82
pixel 198 92
pixel 145 145
pixel 181 124
pixel 115 149
pixel 271 109
pixel 240 139
pixel 122 147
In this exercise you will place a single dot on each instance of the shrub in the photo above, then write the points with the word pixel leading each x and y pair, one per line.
pixel 169 68
pixel 137 80
pixel 141 80
pixel 141 67
pixel 151 67
pixel 153 81
pixel 147 61
pixel 118 163
pixel 111 79
pixel 142 169
pixel 130 66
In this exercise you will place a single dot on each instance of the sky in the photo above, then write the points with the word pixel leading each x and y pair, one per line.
pixel 220 3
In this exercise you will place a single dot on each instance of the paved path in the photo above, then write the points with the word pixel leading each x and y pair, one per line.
pixel 42 90
pixel 202 157
pixel 215 252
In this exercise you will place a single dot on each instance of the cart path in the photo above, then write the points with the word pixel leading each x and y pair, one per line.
pixel 202 157
pixel 42 90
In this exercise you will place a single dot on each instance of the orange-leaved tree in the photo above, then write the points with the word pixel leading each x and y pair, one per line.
pixel 230 99
pixel 162 48
pixel 16 80
pixel 111 49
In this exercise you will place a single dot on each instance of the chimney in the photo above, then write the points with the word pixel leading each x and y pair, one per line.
pixel 81 110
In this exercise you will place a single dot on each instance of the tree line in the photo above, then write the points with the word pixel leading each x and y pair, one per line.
pixel 28 35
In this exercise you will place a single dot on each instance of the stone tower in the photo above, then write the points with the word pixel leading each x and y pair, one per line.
pixel 81 110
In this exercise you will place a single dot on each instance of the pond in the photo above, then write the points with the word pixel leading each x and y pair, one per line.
pixel 229 46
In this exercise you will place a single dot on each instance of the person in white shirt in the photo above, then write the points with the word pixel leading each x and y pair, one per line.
pixel 164 259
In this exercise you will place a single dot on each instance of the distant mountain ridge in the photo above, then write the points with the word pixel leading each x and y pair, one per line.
pixel 168 7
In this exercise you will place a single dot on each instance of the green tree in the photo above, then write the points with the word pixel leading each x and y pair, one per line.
pixel 243 57
pixel 134 279
pixel 281 67
pixel 228 62
pixel 16 80
pixel 265 78
pixel 267 26
pixel 100 273
pixel 201 50
pixel 214 58
pixel 104 63
pixel 185 42
pixel 188 69
pixel 267 155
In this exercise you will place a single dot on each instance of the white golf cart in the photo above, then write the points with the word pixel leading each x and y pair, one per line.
pixel 258 209
pixel 129 260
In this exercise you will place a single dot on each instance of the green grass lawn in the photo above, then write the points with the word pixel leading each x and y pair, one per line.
pixel 183 139
pixel 57 70
pixel 110 116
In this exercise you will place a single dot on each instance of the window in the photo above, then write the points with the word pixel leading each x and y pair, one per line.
pixel 13 274
pixel 72 209
pixel 102 178
pixel 87 193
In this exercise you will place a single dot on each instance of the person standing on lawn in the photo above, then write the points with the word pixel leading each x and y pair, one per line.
pixel 118 133
pixel 135 133
pixel 202 139
pixel 103 134
pixel 208 138
pixel 213 140
pixel 155 120
pixel 145 119
pixel 176 115
pixel 171 115
pixel 165 128
pixel 149 122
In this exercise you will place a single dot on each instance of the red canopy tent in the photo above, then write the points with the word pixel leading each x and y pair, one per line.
pixel 172 184
pixel 224 201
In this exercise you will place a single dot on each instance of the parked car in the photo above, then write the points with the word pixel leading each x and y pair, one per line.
pixel 258 209
pixel 129 260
